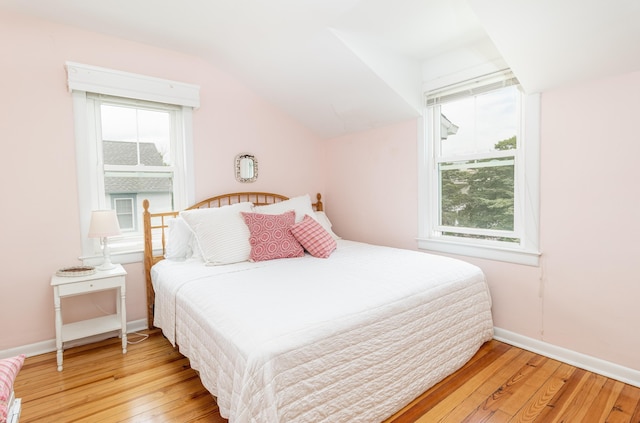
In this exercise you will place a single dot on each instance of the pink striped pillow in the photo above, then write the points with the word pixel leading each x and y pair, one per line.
pixel 314 238
pixel 9 368
pixel 271 236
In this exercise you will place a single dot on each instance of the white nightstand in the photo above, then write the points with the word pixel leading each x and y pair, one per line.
pixel 100 281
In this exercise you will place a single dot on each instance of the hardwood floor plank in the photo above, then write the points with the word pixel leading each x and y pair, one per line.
pixel 194 408
pixel 578 408
pixel 499 417
pixel 109 366
pixel 99 390
pixel 562 400
pixel 538 372
pixel 488 396
pixel 153 382
pixel 140 398
pixel 147 402
pixel 625 406
pixel 603 404
pixel 488 353
pixel 532 409
pixel 499 398
pixel 636 414
pixel 447 405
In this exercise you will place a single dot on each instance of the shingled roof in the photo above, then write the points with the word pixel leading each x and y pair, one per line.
pixel 124 153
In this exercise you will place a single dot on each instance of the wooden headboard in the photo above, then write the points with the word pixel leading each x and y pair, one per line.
pixel 155 225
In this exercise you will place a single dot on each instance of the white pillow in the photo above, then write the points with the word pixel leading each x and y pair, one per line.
pixel 221 234
pixel 301 205
pixel 322 218
pixel 179 240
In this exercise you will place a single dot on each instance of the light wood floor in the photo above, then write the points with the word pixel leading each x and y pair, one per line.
pixel 154 383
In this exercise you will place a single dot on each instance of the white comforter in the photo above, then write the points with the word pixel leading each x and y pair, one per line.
pixel 354 337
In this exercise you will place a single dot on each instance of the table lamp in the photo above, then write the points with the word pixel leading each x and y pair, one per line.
pixel 104 223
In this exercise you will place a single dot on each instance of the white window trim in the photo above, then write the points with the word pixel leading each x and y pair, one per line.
pixel 83 79
pixel 99 80
pixel 529 173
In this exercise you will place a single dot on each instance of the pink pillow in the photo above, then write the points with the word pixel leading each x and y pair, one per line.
pixel 313 237
pixel 271 236
pixel 9 368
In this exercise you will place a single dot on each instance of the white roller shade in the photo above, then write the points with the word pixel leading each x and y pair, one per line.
pixel 471 87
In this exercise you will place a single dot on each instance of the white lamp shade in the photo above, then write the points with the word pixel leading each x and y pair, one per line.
pixel 104 223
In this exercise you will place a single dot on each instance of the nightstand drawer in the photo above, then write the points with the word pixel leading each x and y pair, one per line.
pixel 83 287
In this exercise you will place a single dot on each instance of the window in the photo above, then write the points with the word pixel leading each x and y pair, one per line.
pixel 133 142
pixel 125 211
pixel 479 173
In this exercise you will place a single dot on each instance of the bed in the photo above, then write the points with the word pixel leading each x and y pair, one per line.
pixel 349 332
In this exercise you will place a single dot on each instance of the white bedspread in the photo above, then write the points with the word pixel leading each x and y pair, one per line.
pixel 351 338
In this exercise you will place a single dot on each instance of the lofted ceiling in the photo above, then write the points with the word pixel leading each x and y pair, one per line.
pixel 341 66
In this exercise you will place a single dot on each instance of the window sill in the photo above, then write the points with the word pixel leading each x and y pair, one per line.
pixel 528 258
pixel 116 257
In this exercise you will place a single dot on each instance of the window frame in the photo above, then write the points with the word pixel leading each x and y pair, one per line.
pixel 131 198
pixel 526 186
pixel 85 81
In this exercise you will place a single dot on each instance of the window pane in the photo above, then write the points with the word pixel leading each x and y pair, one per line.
pixel 119 123
pixel 484 237
pixel 479 123
pixel 124 211
pixel 157 187
pixel 478 194
pixel 137 137
pixel 138 182
pixel 134 136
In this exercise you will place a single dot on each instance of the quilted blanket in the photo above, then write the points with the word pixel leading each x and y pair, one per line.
pixel 351 338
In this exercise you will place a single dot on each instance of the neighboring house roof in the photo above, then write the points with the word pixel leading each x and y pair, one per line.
pixel 124 153
pixel 447 127
pixel 113 185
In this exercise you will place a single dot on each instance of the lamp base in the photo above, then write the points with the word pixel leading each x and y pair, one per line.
pixel 106 266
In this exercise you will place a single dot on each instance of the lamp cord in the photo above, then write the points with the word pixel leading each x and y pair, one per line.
pixel 143 335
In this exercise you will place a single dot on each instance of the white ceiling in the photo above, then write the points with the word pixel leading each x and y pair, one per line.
pixel 341 66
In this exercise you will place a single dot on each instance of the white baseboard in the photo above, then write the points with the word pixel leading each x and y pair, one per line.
pixel 583 361
pixel 50 345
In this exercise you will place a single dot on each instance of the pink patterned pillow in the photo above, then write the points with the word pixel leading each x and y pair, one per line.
pixel 271 236
pixel 314 238
pixel 9 368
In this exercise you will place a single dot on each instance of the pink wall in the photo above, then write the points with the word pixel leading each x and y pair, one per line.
pixel 372 185
pixel 591 218
pixel 39 218
pixel 585 295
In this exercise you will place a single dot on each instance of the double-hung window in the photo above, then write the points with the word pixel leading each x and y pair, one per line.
pixel 133 142
pixel 479 171
pixel 136 142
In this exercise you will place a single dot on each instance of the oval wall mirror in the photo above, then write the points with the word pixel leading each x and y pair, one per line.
pixel 246 167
